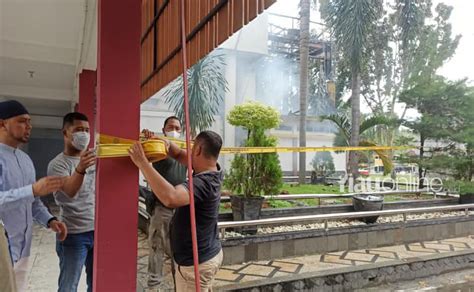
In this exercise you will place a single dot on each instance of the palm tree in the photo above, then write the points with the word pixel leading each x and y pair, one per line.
pixel 305 8
pixel 206 88
pixel 352 22
pixel 343 137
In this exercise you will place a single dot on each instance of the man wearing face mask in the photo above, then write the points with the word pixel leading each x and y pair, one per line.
pixel 159 230
pixel 76 201
pixel 19 196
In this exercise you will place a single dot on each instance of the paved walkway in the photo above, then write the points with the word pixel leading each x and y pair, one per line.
pixel 43 275
pixel 257 271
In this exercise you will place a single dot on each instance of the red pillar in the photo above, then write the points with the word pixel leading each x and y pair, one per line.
pixel 87 99
pixel 118 113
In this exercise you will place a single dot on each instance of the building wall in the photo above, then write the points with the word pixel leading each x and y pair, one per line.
pixel 290 161
pixel 242 52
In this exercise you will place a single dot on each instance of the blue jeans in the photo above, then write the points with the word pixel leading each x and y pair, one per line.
pixel 76 251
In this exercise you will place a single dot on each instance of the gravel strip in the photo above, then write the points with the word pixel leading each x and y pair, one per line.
pixel 348 223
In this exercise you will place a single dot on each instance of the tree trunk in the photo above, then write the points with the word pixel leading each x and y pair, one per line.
pixel 304 52
pixel 355 127
pixel 420 169
pixel 471 164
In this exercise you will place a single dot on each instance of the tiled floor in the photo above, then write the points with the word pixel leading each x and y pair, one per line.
pixel 321 262
pixel 43 275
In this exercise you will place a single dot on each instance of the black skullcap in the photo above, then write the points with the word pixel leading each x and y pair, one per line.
pixel 11 108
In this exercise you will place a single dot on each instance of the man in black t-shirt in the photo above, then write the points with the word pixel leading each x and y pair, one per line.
pixel 207 181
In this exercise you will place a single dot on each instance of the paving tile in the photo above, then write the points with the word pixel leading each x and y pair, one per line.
pixel 286 267
pixel 258 270
pixel 438 246
pixel 360 256
pixel 383 254
pixel 227 275
pixel 235 267
pixel 252 278
pixel 336 259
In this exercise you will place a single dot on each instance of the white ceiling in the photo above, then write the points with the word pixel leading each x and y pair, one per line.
pixel 44 45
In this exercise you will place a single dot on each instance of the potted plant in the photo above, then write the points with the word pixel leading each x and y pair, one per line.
pixel 253 175
pixel 466 193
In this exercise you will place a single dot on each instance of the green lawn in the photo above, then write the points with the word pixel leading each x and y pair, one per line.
pixel 316 189
pixel 310 189
pixel 298 189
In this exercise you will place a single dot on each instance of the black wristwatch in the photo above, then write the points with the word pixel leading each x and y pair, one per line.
pixel 51 219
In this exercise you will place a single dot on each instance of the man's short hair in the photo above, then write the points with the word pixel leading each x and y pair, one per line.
pixel 69 119
pixel 210 142
pixel 171 118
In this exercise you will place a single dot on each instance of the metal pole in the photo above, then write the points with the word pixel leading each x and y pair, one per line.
pixel 197 277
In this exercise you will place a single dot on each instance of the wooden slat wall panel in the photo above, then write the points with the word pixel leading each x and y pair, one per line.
pixel 237 15
pixel 268 3
pixel 161 41
pixel 253 9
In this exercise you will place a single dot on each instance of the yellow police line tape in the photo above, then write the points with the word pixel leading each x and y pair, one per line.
pixel 155 149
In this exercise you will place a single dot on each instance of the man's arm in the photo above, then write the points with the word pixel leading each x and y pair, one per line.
pixel 174 151
pixel 72 184
pixel 177 153
pixel 170 196
pixel 41 213
pixel 11 198
pixel 73 180
pixel 42 216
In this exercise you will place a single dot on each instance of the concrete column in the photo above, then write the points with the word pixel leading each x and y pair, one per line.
pixel 87 99
pixel 118 114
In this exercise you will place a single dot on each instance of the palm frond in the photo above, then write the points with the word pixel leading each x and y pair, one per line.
pixel 206 88
pixel 352 22
pixel 383 154
pixel 342 122
pixel 373 121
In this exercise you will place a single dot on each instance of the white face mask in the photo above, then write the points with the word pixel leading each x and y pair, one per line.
pixel 80 140
pixel 173 134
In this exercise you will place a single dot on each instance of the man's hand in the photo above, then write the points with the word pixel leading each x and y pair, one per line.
pixel 151 135
pixel 138 155
pixel 148 134
pixel 87 160
pixel 47 185
pixel 60 228
pixel 167 143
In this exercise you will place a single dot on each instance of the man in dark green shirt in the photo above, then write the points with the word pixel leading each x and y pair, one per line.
pixel 159 230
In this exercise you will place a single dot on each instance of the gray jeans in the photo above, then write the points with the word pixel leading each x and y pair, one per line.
pixel 159 245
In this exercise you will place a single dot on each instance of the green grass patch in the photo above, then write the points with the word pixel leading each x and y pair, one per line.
pixel 225 207
pixel 279 204
pixel 317 189
pixel 310 189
